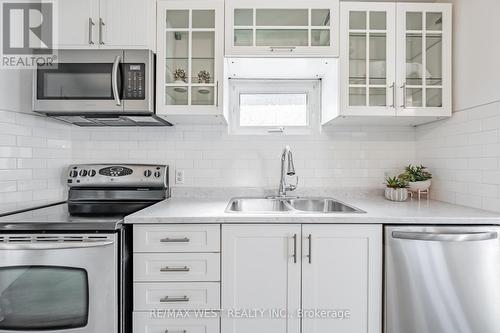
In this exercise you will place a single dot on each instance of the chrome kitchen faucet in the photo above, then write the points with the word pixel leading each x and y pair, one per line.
pixel 290 171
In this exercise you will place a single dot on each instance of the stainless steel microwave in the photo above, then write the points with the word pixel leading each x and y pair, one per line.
pixel 98 88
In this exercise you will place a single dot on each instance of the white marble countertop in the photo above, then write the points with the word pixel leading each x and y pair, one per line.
pixel 210 208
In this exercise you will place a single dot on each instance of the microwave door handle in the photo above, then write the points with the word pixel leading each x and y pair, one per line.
pixel 53 245
pixel 114 81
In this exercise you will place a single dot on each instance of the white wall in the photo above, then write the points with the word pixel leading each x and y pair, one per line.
pixel 340 157
pixel 476 50
pixel 464 151
pixel 33 149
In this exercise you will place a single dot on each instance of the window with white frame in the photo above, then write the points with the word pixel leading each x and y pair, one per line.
pixel 274 107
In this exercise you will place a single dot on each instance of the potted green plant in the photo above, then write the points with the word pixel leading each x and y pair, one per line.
pixel 418 178
pixel 396 189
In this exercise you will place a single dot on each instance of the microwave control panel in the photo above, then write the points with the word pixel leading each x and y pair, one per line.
pixel 134 80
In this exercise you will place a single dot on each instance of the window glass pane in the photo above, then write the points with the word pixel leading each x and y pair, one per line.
pixel 204 19
pixel 414 66
pixel 34 298
pixel 378 97
pixel 177 51
pixel 281 37
pixel 177 95
pixel 320 17
pixel 320 37
pixel 357 96
pixel 434 56
pixel 434 97
pixel 413 21
pixel 287 109
pixel 434 21
pixel 177 18
pixel 357 58
pixel 202 96
pixel 243 17
pixel 413 97
pixel 378 59
pixel 243 37
pixel 202 62
pixel 357 20
pixel 281 17
pixel 378 20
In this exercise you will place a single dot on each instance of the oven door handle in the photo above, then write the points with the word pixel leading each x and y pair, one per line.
pixel 54 245
pixel 114 80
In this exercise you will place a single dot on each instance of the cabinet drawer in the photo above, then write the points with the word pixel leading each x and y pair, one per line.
pixel 143 323
pixel 176 267
pixel 176 295
pixel 177 238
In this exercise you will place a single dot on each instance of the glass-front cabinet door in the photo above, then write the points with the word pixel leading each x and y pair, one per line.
pixel 189 56
pixel 368 58
pixel 424 59
pixel 282 28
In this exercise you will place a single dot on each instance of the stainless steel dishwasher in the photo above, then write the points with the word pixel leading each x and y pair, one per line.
pixel 442 279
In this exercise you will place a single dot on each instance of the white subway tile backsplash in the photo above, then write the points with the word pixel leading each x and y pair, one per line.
pixel 33 152
pixel 464 155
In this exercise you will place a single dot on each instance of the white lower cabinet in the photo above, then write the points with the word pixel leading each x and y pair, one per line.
pixel 342 272
pixel 260 270
pixel 145 323
pixel 333 273
pixel 176 295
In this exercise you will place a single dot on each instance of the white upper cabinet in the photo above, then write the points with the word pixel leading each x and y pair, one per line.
pixel 368 58
pixel 424 59
pixel 125 24
pixel 282 28
pixel 396 60
pixel 189 57
pixel 78 23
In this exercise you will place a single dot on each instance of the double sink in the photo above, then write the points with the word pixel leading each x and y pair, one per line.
pixel 289 205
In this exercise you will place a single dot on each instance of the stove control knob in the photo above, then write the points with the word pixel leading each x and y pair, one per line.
pixel 83 173
pixel 73 173
pixel 147 173
pixel 157 174
pixel 92 173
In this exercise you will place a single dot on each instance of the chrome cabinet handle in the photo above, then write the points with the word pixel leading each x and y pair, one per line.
pixel 404 95
pixel 175 269
pixel 175 240
pixel 309 256
pixel 393 87
pixel 170 299
pixel 114 81
pixel 294 255
pixel 282 48
pixel 180 331
pixel 91 25
pixel 276 130
pixel 101 24
pixel 217 92
pixel 445 237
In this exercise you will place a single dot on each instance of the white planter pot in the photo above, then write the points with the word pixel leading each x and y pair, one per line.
pixel 420 186
pixel 396 194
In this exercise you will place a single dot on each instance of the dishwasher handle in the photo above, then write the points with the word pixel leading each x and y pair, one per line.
pixel 445 237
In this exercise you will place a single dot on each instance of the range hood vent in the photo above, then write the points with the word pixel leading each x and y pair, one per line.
pixel 115 121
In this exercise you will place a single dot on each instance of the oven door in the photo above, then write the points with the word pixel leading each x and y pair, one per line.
pixel 81 82
pixel 59 283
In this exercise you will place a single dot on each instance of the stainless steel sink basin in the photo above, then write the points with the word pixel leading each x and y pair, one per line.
pixel 257 205
pixel 321 205
pixel 289 205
